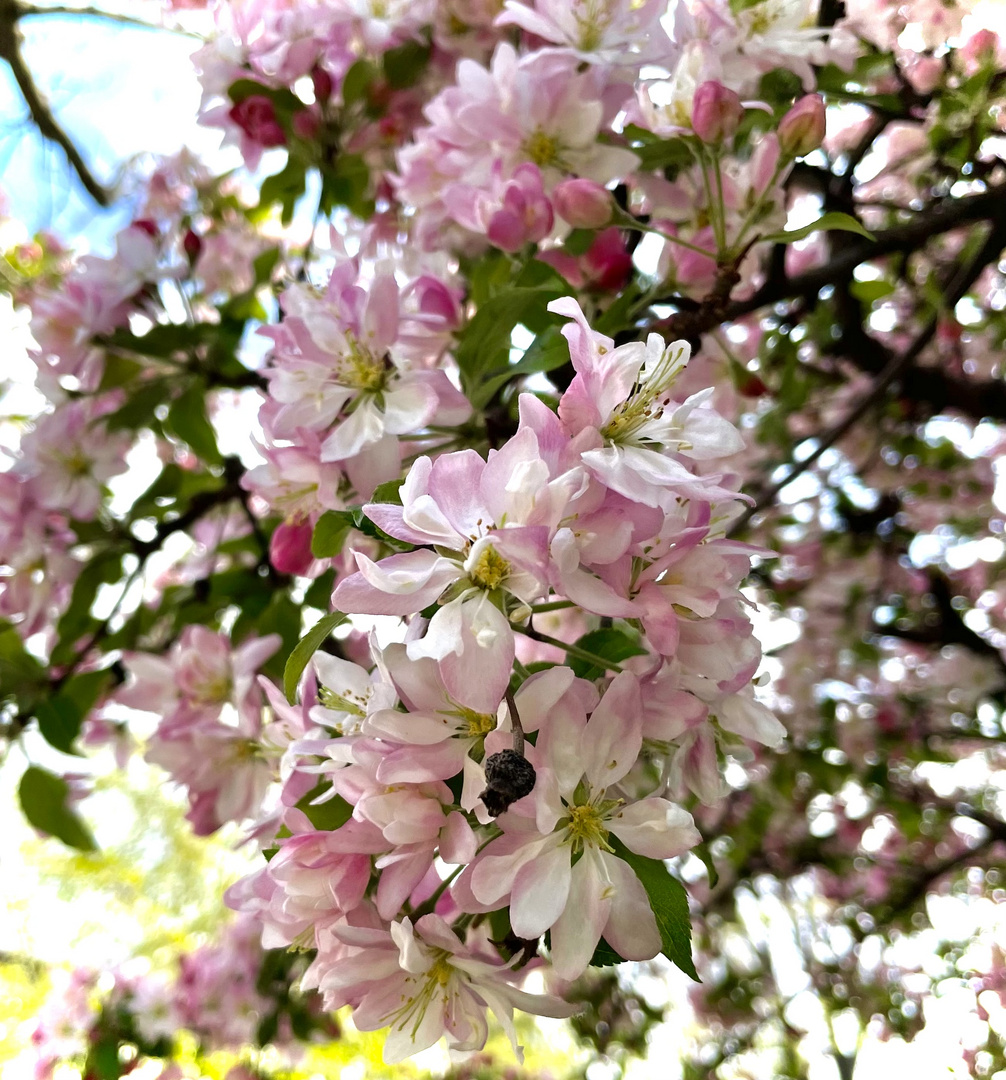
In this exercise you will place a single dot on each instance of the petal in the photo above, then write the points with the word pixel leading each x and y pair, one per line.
pixel 631 929
pixel 540 891
pixel 578 930
pixel 613 736
pixel 656 828
pixel 399 585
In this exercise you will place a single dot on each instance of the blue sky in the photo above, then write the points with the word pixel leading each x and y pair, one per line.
pixel 118 91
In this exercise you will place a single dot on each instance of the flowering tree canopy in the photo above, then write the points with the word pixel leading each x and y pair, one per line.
pixel 544 501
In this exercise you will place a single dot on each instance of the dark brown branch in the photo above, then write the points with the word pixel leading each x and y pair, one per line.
pixel 941 217
pixel 38 108
pixel 896 366
pixel 25 11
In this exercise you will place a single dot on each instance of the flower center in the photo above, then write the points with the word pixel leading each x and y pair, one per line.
pixel 585 827
pixel 478 723
pixel 542 149
pixel 643 404
pixel 362 370
pixel 490 569
pixel 347 701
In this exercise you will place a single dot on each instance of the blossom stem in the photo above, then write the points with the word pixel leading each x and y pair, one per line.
pixel 552 605
pixel 570 650
pixel 518 731
pixel 627 221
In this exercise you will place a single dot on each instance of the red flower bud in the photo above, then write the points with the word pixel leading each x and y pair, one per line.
pixel 192 245
pixel 257 119
pixel 323 86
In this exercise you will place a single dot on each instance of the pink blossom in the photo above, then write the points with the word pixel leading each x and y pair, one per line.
pixel 576 805
pixel 424 983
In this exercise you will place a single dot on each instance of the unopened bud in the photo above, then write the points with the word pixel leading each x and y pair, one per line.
pixel 306 124
pixel 584 204
pixel 290 547
pixel 192 245
pixel 801 130
pixel 322 83
pixel 716 113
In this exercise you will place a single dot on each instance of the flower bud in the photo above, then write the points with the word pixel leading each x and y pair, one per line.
pixel 716 113
pixel 322 83
pixel 192 245
pixel 584 204
pixel 256 117
pixel 290 547
pixel 306 124
pixel 801 130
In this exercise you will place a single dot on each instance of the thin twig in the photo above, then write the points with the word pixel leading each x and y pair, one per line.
pixel 38 108
pixel 895 367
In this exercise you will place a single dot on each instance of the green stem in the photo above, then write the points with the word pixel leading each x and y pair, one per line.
pixel 627 221
pixel 552 605
pixel 571 650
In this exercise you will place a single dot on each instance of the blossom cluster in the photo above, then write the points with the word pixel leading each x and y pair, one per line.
pixel 540 789
pixel 214 995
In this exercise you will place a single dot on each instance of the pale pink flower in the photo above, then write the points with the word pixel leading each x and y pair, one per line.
pixel 423 983
pixel 576 806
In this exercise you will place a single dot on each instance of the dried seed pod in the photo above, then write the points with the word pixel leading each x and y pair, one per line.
pixel 509 777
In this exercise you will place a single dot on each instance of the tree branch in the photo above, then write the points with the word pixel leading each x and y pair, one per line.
pixel 895 367
pixel 939 218
pixel 41 114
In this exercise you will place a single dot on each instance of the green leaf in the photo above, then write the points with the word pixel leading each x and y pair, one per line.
pixel 320 592
pixel 388 492
pixel 701 851
pixel 329 815
pixel 405 64
pixel 833 221
pixel 669 902
pixel 138 408
pixel 305 649
pixel 119 370
pixel 357 82
pixel 330 533
pixel 104 569
pixel 610 644
pixel 346 183
pixel 485 342
pixel 605 955
pixel 264 265
pixel 869 291
pixel 547 352
pixel 43 800
pixel 103 1058
pixel 187 420
pixel 284 187
pixel 18 668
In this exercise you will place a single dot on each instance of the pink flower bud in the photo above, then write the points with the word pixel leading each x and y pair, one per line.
pixel 607 263
pixel 801 130
pixel 583 203
pixel 290 547
pixel 716 113
pixel 147 226
pixel 980 49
